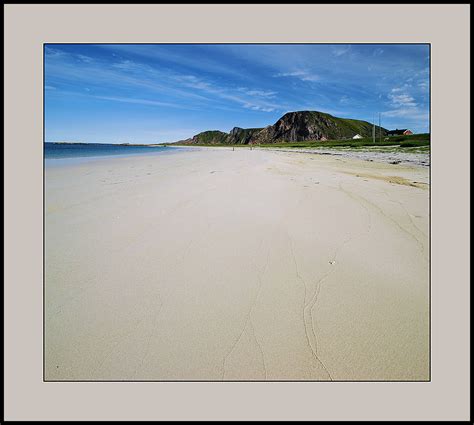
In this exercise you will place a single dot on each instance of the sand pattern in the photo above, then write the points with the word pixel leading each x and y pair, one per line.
pixel 229 265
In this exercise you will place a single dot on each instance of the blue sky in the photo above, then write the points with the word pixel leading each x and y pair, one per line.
pixel 162 93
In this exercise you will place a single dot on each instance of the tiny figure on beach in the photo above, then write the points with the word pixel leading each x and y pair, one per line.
pixel 232 148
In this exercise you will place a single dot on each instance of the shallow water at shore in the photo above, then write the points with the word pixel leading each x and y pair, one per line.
pixel 69 153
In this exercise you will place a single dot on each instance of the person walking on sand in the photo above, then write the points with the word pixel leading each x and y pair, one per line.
pixel 232 149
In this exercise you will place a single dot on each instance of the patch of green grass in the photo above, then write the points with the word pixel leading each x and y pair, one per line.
pixel 414 140
pixel 415 143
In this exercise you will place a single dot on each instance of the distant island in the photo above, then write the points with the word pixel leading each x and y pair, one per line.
pixel 151 145
pixel 142 144
pixel 69 143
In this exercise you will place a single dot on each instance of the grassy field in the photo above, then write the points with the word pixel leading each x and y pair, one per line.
pixel 415 140
pixel 417 143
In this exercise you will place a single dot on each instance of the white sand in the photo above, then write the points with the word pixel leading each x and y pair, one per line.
pixel 238 265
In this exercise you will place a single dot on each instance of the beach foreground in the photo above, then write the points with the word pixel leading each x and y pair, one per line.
pixel 216 264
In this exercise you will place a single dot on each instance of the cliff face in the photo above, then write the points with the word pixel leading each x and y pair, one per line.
pixel 242 135
pixel 292 127
pixel 236 136
pixel 212 137
pixel 297 126
pixel 313 125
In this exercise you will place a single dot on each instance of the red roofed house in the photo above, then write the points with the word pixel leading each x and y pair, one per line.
pixel 397 132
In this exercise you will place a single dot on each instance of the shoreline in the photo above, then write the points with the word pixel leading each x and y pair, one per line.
pixel 396 157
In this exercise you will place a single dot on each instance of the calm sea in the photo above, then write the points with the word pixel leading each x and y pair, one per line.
pixel 80 152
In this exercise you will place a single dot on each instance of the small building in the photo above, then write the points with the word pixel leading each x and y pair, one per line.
pixel 357 136
pixel 397 132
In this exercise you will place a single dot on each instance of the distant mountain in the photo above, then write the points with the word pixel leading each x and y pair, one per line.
pixel 237 136
pixel 292 127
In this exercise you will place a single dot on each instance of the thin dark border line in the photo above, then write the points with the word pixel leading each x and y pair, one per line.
pixel 239 381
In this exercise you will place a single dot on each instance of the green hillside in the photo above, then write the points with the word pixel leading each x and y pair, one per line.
pixel 294 127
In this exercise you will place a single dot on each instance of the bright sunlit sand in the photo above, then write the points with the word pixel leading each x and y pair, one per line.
pixel 236 265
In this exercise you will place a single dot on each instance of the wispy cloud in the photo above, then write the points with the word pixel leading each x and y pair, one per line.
pixel 377 52
pixel 412 113
pixel 130 66
pixel 344 100
pixel 143 102
pixel 301 75
pixel 423 85
pixel 340 50
pixel 249 99
pixel 84 58
pixel 169 83
pixel 118 75
pixel 405 110
pixel 399 100
pixel 254 107
pixel 258 93
pixel 174 56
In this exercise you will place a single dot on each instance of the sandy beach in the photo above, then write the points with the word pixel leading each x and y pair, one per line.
pixel 216 264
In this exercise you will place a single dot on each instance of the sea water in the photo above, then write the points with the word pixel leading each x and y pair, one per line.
pixel 55 153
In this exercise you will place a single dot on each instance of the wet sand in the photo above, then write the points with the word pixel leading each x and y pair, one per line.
pixel 216 264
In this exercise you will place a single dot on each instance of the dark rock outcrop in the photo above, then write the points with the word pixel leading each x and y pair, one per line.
pixel 312 125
